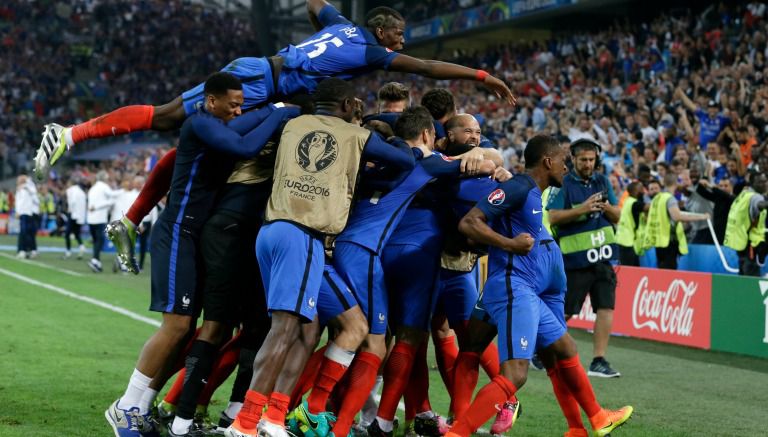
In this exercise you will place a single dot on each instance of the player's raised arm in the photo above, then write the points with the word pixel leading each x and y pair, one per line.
pixel 447 70
pixel 313 10
pixel 322 14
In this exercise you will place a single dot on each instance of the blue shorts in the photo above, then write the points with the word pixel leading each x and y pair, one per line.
pixel 457 295
pixel 411 274
pixel 523 320
pixel 334 297
pixel 254 73
pixel 291 263
pixel 175 262
pixel 361 269
pixel 479 312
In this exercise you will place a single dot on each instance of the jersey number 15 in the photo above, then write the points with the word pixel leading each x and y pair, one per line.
pixel 321 44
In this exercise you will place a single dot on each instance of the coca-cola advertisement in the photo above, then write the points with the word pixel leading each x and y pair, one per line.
pixel 664 305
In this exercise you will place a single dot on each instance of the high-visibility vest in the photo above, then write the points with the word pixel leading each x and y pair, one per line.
pixel 658 229
pixel 739 229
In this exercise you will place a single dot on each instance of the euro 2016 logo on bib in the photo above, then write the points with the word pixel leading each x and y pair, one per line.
pixel 497 197
pixel 317 151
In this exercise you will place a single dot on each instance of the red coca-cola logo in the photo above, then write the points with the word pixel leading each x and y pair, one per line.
pixel 663 305
pixel 667 311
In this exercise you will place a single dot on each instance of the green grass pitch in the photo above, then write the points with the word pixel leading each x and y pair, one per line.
pixel 64 360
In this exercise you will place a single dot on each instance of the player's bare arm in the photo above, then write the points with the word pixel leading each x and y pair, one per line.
pixel 447 70
pixel 475 227
pixel 313 10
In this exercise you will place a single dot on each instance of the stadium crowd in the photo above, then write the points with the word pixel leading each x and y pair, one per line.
pixel 67 60
pixel 642 90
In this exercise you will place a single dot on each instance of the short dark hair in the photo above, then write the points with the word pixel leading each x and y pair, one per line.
pixel 633 187
pixel 538 147
pixel 412 122
pixel 333 91
pixel 439 102
pixel 394 92
pixel 382 16
pixel 220 83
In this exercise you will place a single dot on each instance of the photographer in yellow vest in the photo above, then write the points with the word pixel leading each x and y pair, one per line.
pixel 664 228
pixel 745 230
pixel 629 233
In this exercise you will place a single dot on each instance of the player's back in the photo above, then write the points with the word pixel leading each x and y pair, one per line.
pixel 341 49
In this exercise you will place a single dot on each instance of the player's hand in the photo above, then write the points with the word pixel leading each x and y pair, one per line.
pixel 521 244
pixel 499 88
pixel 471 161
pixel 704 182
pixel 501 174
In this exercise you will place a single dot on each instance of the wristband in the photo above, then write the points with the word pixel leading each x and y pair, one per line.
pixel 481 75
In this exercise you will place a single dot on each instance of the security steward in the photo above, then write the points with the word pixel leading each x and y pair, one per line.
pixel 629 233
pixel 582 215
pixel 745 231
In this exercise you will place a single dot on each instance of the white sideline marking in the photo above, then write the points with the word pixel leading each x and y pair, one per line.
pixel 90 300
pixel 41 264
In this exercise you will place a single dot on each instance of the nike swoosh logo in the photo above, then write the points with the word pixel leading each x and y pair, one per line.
pixel 536 212
pixel 312 423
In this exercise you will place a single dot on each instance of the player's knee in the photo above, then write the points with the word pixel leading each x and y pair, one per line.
pixel 212 332
pixel 176 326
pixel 284 326
pixel 356 327
pixel 516 371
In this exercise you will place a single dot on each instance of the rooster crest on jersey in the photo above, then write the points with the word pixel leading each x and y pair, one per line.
pixel 497 197
pixel 317 151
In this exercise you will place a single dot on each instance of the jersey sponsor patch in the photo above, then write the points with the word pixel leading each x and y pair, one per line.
pixel 497 197
pixel 317 151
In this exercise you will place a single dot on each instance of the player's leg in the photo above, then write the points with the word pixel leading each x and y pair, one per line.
pixel 253 333
pixel 258 87
pixel 338 309
pixel 554 338
pixel 122 232
pixel 446 351
pixel 411 270
pixel 274 417
pixel 226 246
pixel 518 318
pixel 291 263
pixel 361 270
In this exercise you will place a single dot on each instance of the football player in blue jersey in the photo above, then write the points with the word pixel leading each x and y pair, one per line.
pixel 524 294
pixel 411 262
pixel 340 48
pixel 357 255
pixel 206 155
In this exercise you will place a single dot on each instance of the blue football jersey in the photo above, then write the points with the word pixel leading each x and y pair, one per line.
pixel 374 218
pixel 514 208
pixel 340 49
